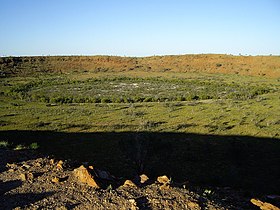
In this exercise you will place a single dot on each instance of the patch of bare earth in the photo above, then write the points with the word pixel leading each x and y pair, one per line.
pixel 29 180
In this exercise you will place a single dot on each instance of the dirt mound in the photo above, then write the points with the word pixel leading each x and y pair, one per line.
pixel 29 180
pixel 208 63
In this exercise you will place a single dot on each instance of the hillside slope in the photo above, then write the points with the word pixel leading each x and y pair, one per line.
pixel 208 63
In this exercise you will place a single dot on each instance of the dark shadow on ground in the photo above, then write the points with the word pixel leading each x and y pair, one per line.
pixel 9 185
pixel 239 162
pixel 11 201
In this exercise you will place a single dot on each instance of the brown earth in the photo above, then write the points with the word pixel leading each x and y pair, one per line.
pixel 268 66
pixel 29 180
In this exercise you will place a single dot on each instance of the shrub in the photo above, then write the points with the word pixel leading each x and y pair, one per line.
pixel 106 100
pixel 4 144
pixel 34 146
pixel 148 99
pixel 218 64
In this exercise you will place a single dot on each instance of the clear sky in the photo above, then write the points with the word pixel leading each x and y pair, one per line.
pixel 139 27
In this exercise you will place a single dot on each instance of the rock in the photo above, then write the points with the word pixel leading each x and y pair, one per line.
pixel 58 179
pixel 59 165
pixel 164 187
pixel 52 161
pixel 143 178
pixel 263 205
pixel 38 164
pixel 11 165
pixel 22 177
pixel 26 177
pixel 163 180
pixel 25 166
pixel 134 204
pixel 129 183
pixel 193 205
pixel 84 176
pixel 55 180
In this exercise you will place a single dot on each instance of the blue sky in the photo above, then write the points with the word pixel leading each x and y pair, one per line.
pixel 139 27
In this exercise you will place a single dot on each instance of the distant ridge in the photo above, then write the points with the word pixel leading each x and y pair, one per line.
pixel 268 66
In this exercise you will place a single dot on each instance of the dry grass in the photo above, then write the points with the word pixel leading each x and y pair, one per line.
pixel 268 66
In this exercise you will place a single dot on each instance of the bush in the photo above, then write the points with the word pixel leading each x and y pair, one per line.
pixel 106 100
pixel 148 99
pixel 34 146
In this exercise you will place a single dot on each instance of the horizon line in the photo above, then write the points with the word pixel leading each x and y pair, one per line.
pixel 132 56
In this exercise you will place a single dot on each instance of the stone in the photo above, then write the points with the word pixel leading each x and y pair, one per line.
pixel 25 166
pixel 263 205
pixel 22 177
pixel 55 180
pixel 193 205
pixel 26 177
pixel 52 161
pixel 163 180
pixel 133 203
pixel 84 176
pixel 11 165
pixel 38 164
pixel 60 164
pixel 164 187
pixel 129 183
pixel 143 178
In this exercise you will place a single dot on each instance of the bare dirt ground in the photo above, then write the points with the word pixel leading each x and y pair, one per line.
pixel 29 180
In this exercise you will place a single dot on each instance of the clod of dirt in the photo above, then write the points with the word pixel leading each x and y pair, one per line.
pixel 25 166
pixel 84 176
pixel 143 178
pixel 55 180
pixel 163 180
pixel 52 161
pixel 193 205
pixel 129 183
pixel 59 165
pixel 11 165
pixel 26 177
pixel 263 205
pixel 59 179
pixel 134 204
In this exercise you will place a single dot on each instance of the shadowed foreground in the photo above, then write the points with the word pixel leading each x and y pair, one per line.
pixel 240 162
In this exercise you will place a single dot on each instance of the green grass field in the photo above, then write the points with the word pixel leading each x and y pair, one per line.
pixel 228 105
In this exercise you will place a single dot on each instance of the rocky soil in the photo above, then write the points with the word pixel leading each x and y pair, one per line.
pixel 29 180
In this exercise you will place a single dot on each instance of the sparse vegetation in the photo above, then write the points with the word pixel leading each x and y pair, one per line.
pixel 130 90
pixel 4 144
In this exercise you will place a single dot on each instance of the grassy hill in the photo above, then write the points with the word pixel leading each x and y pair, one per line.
pixel 207 63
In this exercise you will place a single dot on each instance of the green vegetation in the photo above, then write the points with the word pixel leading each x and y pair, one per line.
pixel 130 90
pixel 198 103
pixel 10 145
pixel 4 144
